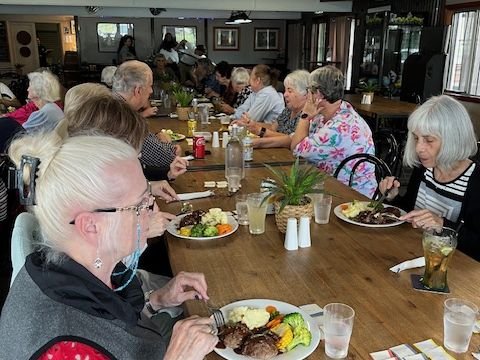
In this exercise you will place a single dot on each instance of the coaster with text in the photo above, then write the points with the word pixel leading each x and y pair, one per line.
pixel 417 285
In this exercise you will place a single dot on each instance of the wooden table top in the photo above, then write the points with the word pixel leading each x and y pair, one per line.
pixel 346 263
pixel 216 160
pixel 381 107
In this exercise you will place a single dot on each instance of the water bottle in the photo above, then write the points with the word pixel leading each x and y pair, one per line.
pixel 247 148
pixel 234 153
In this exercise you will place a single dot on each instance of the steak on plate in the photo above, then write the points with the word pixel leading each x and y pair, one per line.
pixel 261 346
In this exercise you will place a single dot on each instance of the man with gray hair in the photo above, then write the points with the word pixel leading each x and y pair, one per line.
pixel 132 82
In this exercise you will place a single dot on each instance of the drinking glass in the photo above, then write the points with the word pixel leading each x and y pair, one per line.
pixel 167 102
pixel 338 329
pixel 234 175
pixel 242 209
pixel 203 114
pixel 322 203
pixel 225 122
pixel 257 210
pixel 438 248
pixel 459 317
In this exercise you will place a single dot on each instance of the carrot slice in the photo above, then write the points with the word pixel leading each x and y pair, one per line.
pixel 270 309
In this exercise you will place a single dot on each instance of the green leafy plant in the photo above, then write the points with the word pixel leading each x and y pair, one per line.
pixel 291 187
pixel 368 86
pixel 184 98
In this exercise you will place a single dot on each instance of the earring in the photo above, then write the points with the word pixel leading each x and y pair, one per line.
pixel 98 262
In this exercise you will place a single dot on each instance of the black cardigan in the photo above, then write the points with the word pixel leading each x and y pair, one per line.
pixel 469 234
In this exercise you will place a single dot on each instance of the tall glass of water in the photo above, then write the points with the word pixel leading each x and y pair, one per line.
pixel 338 329
pixel 242 209
pixel 257 210
pixel 458 320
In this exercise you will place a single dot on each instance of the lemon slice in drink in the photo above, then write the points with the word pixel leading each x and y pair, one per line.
pixel 446 250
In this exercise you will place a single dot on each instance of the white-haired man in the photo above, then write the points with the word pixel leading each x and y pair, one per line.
pixel 132 82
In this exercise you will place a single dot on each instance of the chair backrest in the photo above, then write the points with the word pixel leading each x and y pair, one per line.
pixel 381 168
pixel 387 149
pixel 26 233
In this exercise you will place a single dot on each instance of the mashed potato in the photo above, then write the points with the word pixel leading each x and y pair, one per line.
pixel 355 208
pixel 253 318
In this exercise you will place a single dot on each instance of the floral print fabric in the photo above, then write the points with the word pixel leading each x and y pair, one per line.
pixel 328 143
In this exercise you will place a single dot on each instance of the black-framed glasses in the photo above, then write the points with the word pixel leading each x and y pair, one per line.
pixel 148 203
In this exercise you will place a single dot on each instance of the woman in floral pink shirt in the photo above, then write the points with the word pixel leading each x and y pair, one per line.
pixel 330 130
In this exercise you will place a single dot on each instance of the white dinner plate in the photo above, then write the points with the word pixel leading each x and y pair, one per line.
pixel 172 229
pixel 338 212
pixel 298 353
pixel 177 137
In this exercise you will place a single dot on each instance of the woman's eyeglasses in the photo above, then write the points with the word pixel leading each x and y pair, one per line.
pixel 148 203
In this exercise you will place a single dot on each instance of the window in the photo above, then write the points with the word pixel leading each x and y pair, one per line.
pixel 109 35
pixel 188 33
pixel 463 59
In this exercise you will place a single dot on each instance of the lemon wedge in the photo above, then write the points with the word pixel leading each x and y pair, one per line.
pixel 446 250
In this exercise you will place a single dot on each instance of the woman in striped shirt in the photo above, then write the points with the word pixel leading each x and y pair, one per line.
pixel 444 189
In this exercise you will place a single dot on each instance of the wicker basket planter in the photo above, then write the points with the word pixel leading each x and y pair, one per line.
pixel 291 211
pixel 182 112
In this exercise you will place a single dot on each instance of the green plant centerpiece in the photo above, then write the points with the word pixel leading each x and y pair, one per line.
pixel 288 191
pixel 183 98
pixel 368 88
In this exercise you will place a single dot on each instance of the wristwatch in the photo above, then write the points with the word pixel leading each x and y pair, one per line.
pixel 305 116
pixel 148 304
pixel 262 132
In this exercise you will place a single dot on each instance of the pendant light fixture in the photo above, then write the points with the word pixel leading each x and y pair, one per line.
pixel 238 17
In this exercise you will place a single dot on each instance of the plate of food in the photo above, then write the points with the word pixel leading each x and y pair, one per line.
pixel 266 329
pixel 203 225
pixel 360 213
pixel 173 135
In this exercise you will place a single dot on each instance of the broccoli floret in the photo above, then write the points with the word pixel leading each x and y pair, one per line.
pixel 301 336
pixel 295 320
pixel 210 231
pixel 197 230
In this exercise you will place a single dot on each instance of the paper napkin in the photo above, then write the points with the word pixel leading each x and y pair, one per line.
pixel 195 195
pixel 316 312
pixel 409 264
pixel 189 157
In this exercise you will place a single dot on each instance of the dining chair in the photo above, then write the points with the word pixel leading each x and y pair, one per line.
pixel 26 233
pixel 387 149
pixel 381 168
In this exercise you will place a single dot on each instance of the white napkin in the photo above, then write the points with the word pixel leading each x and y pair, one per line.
pixel 189 157
pixel 476 355
pixel 409 264
pixel 195 195
pixel 316 312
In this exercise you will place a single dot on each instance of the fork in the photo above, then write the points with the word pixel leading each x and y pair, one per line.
pixel 217 316
pixel 216 313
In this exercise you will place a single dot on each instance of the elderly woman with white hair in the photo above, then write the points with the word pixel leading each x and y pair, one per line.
pixel 444 189
pixel 74 297
pixel 279 133
pixel 43 90
pixel 240 82
pixel 330 130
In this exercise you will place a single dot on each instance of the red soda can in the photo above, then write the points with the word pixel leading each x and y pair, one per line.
pixel 199 147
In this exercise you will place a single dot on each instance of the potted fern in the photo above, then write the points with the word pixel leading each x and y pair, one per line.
pixel 288 191
pixel 184 98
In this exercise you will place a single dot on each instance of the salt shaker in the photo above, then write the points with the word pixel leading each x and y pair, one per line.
pixel 304 232
pixel 291 236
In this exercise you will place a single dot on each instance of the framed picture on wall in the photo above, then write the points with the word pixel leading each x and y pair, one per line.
pixel 226 38
pixel 266 39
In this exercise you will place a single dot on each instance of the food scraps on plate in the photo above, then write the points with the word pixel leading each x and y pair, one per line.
pixel 263 333
pixel 199 223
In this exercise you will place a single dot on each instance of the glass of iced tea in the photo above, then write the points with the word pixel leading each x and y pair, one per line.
pixel 438 247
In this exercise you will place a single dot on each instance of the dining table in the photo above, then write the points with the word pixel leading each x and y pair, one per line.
pixel 381 108
pixel 215 157
pixel 345 263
